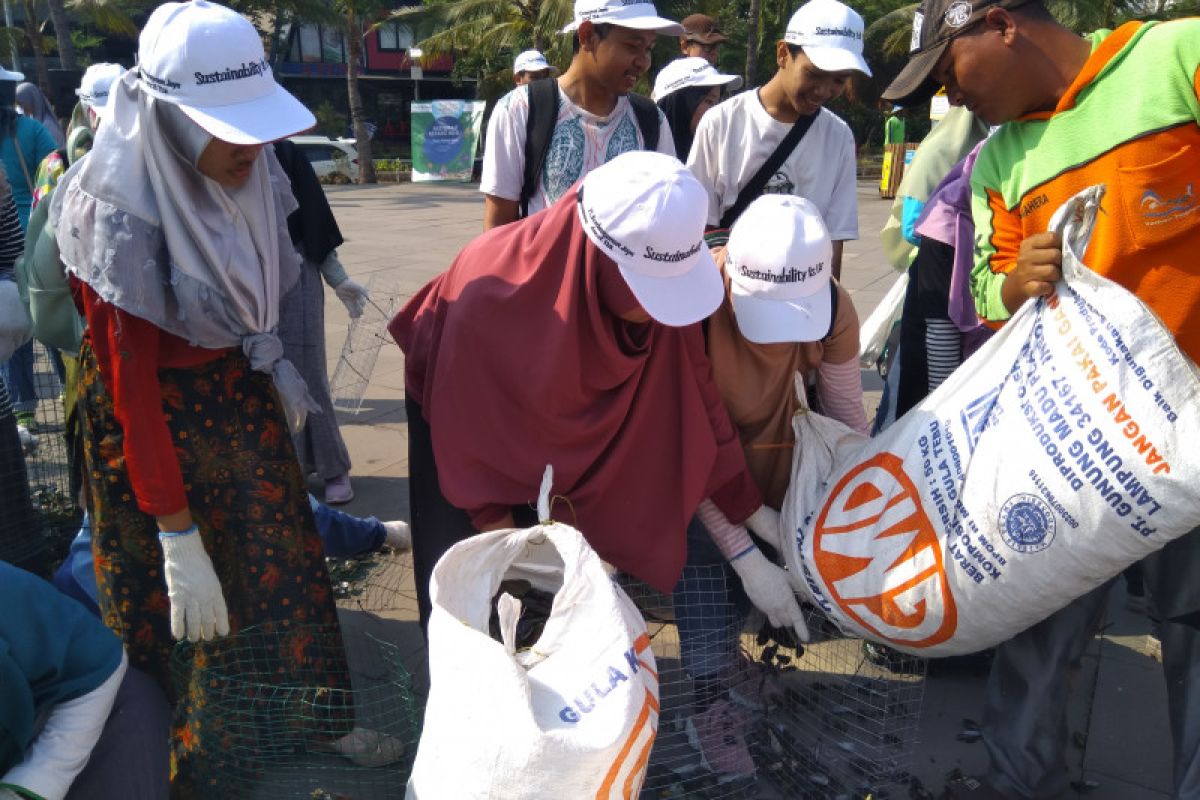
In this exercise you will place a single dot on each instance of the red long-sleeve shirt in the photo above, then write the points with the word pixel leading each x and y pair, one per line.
pixel 130 351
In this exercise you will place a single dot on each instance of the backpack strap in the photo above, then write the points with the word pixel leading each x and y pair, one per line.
pixel 833 307
pixel 539 129
pixel 754 188
pixel 646 112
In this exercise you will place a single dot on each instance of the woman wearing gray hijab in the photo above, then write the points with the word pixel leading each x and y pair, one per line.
pixel 35 105
pixel 174 230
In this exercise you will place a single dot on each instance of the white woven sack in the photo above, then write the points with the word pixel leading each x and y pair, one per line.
pixel 877 327
pixel 574 716
pixel 1056 456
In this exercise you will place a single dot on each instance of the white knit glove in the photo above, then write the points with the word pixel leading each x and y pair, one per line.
pixel 764 523
pixel 353 296
pixel 769 588
pixel 197 604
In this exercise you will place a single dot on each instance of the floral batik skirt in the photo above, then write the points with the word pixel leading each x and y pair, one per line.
pixel 248 499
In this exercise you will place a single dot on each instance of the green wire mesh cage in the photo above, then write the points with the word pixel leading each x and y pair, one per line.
pixel 298 711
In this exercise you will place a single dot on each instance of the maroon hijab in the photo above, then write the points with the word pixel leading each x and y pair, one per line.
pixel 519 359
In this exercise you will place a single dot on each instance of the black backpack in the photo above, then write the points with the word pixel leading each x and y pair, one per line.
pixel 539 129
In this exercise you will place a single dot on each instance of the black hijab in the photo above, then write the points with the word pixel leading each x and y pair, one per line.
pixel 312 226
pixel 678 107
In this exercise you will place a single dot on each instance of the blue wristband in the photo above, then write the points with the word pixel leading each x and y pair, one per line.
pixel 744 552
pixel 176 534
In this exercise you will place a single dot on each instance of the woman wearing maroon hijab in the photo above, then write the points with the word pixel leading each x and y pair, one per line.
pixel 569 339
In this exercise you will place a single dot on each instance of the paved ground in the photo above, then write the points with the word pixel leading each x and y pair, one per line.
pixel 408 233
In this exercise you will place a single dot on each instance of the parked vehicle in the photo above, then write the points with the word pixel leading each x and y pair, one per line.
pixel 330 157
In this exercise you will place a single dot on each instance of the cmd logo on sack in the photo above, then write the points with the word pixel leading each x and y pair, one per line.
pixel 874 533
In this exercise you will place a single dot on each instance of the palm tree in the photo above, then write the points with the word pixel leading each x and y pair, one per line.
pixel 492 26
pixel 354 16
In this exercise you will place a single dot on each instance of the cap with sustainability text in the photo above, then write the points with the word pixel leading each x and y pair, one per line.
pixel 634 14
pixel 646 211
pixel 94 89
pixel 831 34
pixel 208 60
pixel 683 73
pixel 935 24
pixel 779 260
pixel 703 29
pixel 532 61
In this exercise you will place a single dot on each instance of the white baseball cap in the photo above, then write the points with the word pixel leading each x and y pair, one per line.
pixel 532 61
pixel 646 211
pixel 779 260
pixel 94 89
pixel 683 73
pixel 624 14
pixel 10 76
pixel 831 34
pixel 208 60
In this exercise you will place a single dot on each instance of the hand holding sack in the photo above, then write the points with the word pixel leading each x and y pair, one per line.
pixel 1052 459
pixel 197 603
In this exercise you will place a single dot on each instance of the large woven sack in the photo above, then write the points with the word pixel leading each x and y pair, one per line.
pixel 1053 458
pixel 573 716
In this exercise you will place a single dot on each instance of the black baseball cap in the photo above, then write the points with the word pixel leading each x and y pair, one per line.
pixel 935 24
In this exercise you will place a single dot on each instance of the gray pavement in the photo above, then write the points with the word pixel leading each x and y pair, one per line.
pixel 408 233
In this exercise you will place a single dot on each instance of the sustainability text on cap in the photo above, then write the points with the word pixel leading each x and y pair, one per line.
pixel 208 60
pixel 646 211
pixel 831 34
pixel 683 73
pixel 779 261
pixel 635 14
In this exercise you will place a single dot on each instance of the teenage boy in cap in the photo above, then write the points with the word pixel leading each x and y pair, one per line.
pixel 1119 108
pixel 531 66
pixel 596 121
pixel 702 38
pixel 817 56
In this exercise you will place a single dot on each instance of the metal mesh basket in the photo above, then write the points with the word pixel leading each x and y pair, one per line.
pixel 39 514
pixel 832 719
pixel 365 336
pixel 272 733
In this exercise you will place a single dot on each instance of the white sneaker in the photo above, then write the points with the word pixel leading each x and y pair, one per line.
pixel 398 536
pixel 29 442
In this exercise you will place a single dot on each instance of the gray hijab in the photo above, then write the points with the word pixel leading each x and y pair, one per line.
pixel 149 233
pixel 31 97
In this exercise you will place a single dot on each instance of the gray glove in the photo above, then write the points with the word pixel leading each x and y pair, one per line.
pixel 353 296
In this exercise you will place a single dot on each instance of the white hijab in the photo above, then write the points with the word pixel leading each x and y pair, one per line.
pixel 150 234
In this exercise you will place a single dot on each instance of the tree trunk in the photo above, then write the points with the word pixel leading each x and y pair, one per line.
pixel 275 56
pixel 366 164
pixel 35 42
pixel 752 42
pixel 62 33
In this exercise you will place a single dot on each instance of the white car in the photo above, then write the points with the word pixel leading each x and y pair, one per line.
pixel 330 156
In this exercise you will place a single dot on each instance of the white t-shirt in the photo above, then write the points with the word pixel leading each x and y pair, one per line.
pixel 581 142
pixel 736 137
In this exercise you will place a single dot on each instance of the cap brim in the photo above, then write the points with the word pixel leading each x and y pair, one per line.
pixel 8 75
pixel 775 321
pixel 706 38
pixel 682 299
pixel 663 27
pixel 914 85
pixel 835 59
pixel 264 119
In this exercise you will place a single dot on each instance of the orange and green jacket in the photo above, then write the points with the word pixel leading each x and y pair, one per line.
pixel 1130 120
